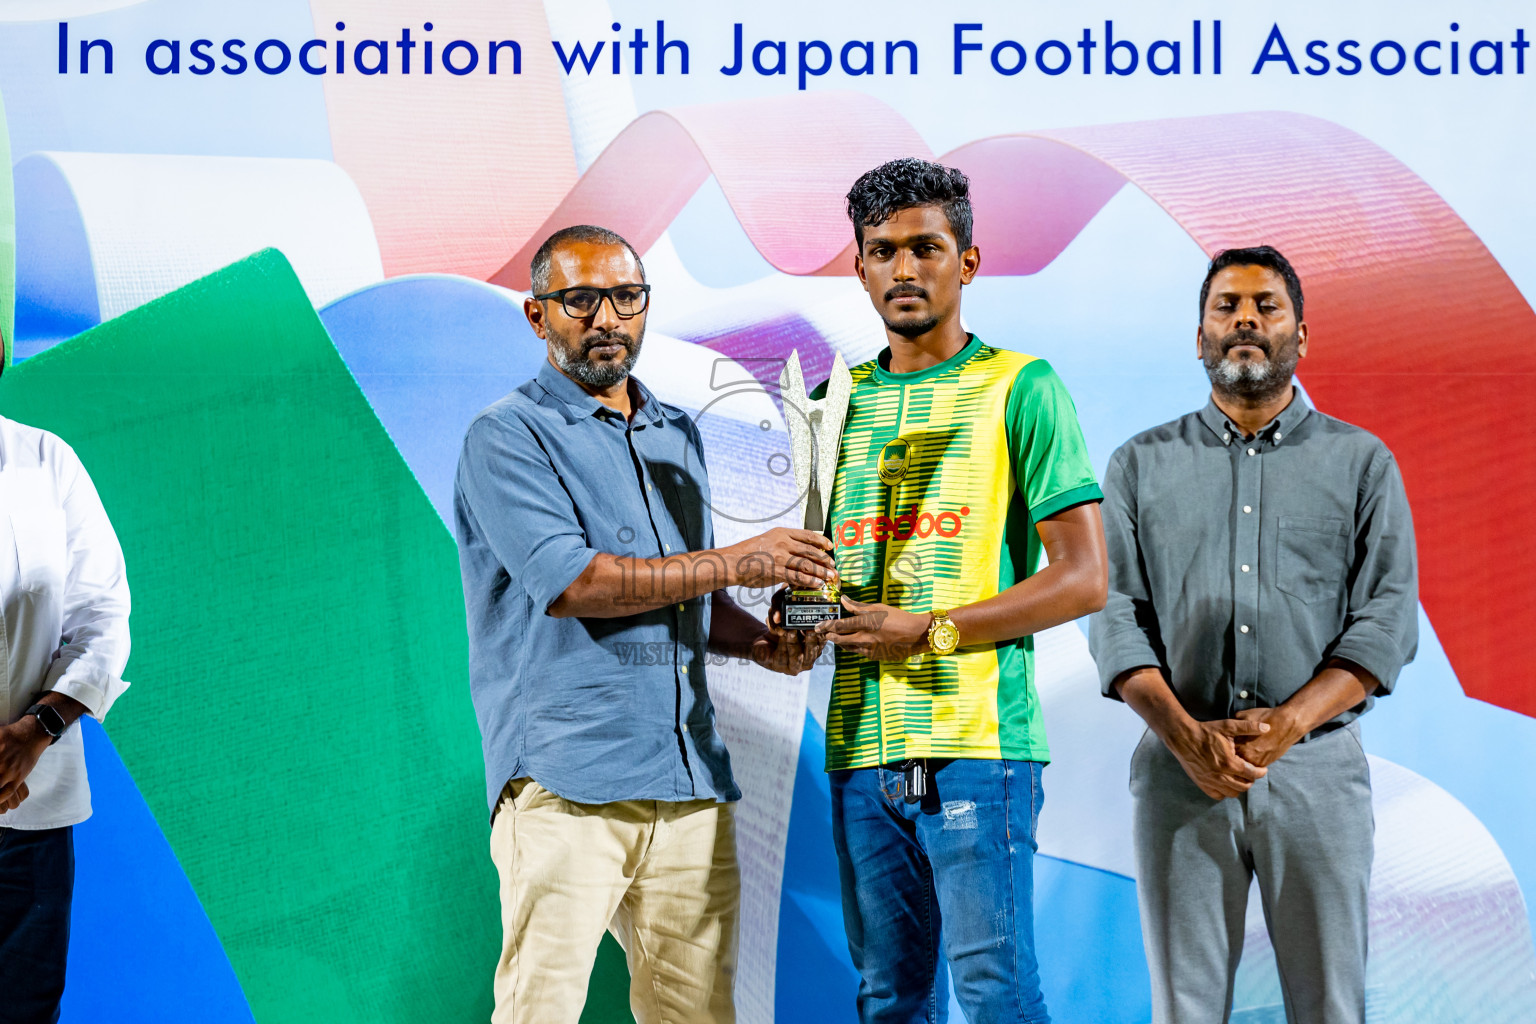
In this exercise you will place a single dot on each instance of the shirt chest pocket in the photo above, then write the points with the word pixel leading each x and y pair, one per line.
pixel 1312 558
pixel 40 548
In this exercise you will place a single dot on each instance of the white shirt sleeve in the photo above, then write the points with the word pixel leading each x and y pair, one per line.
pixel 93 651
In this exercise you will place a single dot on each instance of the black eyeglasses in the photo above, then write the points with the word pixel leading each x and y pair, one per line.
pixel 583 301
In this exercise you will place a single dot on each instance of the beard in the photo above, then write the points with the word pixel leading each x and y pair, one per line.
pixel 912 328
pixel 1248 379
pixel 909 328
pixel 574 358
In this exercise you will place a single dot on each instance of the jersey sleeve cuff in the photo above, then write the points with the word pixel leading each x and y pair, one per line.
pixel 1065 500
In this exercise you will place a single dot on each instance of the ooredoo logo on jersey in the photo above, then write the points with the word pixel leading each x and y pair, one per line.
pixel 909 524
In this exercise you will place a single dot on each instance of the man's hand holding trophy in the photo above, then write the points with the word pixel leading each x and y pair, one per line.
pixel 815 432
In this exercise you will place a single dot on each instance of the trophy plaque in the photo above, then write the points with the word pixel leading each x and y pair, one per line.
pixel 815 432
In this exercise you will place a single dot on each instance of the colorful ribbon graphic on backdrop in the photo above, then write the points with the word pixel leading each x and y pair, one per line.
pixel 1400 289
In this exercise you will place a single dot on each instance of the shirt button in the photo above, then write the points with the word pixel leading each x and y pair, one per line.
pixel 1247 509
pixel 1240 629
pixel 1245 568
pixel 1241 693
pixel 1277 435
pixel 682 607
pixel 685 667
pixel 685 727
pixel 667 548
pixel 1227 436
pixel 1252 452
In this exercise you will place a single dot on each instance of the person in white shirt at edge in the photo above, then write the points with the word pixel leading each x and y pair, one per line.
pixel 64 639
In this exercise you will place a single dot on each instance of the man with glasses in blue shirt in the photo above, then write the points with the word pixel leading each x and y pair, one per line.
pixel 593 592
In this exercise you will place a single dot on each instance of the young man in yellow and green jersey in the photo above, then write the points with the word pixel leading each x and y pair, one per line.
pixel 960 464
pixel 941 478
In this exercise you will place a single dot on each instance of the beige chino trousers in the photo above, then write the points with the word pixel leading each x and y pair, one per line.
pixel 660 876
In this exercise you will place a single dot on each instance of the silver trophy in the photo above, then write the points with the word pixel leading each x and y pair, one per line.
pixel 815 432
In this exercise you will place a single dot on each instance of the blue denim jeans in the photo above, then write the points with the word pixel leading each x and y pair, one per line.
pixel 37 881
pixel 955 872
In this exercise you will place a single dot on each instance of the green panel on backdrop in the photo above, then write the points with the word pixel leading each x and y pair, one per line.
pixel 299 722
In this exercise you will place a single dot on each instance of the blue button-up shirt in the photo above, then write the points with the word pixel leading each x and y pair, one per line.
pixel 594 710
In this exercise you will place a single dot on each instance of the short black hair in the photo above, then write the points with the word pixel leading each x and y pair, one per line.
pixel 1254 256
pixel 589 233
pixel 902 184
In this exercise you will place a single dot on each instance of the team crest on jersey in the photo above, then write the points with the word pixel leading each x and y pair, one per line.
pixel 895 458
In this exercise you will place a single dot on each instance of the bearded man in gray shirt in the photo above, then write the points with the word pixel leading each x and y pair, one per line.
pixel 1263 587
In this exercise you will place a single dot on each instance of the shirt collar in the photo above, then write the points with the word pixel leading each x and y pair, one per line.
pixel 1273 432
pixel 648 408
pixel 883 364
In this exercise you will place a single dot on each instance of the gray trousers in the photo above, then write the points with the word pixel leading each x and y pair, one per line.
pixel 1306 830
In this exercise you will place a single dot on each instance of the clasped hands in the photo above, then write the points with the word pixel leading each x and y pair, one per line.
pixel 1226 757
pixel 21 744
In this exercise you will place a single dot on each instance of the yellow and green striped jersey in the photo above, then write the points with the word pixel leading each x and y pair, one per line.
pixel 941 478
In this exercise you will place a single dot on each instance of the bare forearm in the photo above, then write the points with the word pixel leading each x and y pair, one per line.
pixel 1060 592
pixel 1075 583
pixel 1340 686
pixel 68 708
pixel 612 586
pixel 1149 695
pixel 732 629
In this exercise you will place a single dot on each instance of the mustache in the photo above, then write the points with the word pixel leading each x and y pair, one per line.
pixel 614 337
pixel 904 290
pixel 1243 336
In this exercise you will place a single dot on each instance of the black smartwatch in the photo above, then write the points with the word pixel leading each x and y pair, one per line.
pixel 52 722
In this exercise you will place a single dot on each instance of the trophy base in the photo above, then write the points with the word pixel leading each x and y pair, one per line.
pixel 806 609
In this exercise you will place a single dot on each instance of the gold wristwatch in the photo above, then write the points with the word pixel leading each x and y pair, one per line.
pixel 943 636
